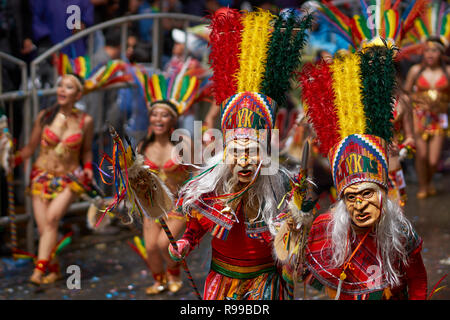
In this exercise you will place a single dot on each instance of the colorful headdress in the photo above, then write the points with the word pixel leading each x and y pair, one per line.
pixel 350 104
pixel 177 92
pixel 378 19
pixel 434 23
pixel 101 76
pixel 253 55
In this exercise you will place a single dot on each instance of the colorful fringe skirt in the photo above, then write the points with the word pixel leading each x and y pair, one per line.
pixel 230 282
pixel 48 185
pixel 428 123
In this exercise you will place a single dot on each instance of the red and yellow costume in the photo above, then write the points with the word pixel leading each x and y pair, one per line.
pixel 242 265
pixel 47 184
pixel 350 107
pixel 429 120
pixel 365 280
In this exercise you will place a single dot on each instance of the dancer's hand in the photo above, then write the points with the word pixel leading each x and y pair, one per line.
pixel 183 247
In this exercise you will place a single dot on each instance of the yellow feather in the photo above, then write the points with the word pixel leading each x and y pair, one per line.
pixel 348 99
pixel 156 86
pixel 254 45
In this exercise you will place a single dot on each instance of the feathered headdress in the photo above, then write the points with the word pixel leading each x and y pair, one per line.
pixel 434 23
pixel 253 55
pixel 177 92
pixel 101 76
pixel 350 105
pixel 378 19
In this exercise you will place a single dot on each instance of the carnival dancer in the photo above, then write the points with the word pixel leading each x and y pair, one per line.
pixel 429 85
pixel 64 135
pixel 253 55
pixel 364 247
pixel 170 97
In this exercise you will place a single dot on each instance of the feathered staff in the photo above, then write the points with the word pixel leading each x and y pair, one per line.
pixel 290 240
pixel 6 150
pixel 147 194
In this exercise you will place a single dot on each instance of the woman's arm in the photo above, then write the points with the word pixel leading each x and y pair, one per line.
pixel 86 151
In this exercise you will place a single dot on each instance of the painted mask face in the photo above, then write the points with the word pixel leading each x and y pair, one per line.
pixel 363 203
pixel 243 158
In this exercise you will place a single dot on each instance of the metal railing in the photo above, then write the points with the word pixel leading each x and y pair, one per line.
pixel 30 96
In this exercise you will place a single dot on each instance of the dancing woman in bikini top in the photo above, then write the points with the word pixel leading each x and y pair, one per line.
pixel 429 85
pixel 158 151
pixel 64 135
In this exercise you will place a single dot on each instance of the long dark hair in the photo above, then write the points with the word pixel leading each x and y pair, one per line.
pixel 49 115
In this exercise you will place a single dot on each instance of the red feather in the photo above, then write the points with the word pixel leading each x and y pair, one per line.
pixel 317 90
pixel 225 39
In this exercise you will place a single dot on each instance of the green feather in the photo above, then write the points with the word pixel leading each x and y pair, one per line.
pixel 184 87
pixel 283 56
pixel 163 86
pixel 378 80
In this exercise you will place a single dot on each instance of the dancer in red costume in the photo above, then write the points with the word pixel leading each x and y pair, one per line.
pixel 236 197
pixel 64 134
pixel 364 247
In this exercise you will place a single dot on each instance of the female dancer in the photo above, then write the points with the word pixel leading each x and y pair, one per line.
pixel 170 97
pixel 429 83
pixel 158 149
pixel 64 134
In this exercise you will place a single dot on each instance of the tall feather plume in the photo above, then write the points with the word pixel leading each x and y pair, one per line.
pixel 317 92
pixel 417 8
pixel 284 55
pixel 225 39
pixel 378 84
pixel 253 51
pixel 346 76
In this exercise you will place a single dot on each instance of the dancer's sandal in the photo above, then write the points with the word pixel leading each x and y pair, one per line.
pixel 40 269
pixel 54 274
pixel 159 286
pixel 174 282
pixel 421 195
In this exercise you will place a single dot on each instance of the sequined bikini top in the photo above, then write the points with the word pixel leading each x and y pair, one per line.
pixel 72 143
